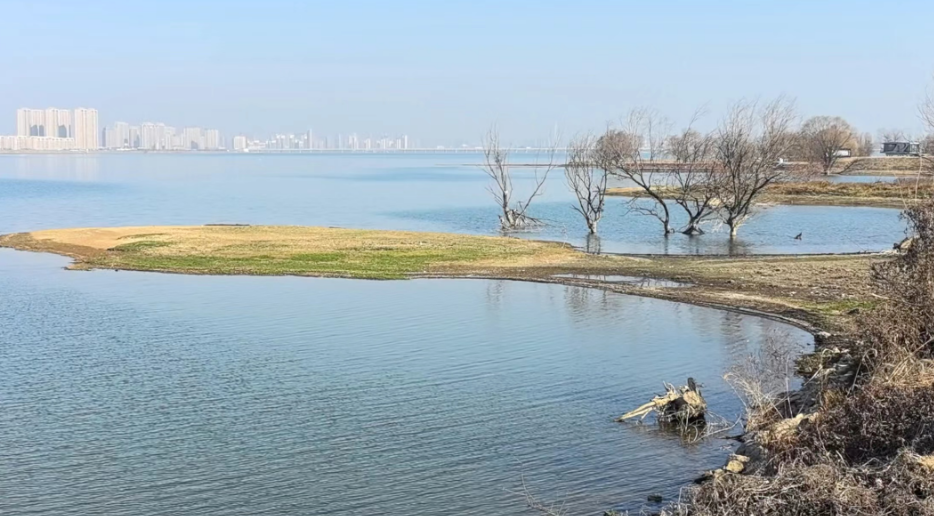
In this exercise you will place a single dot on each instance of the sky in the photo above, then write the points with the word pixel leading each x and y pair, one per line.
pixel 444 71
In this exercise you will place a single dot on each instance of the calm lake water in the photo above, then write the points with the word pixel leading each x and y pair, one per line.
pixel 427 192
pixel 131 393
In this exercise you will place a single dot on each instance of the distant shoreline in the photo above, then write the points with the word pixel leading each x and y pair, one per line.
pixel 266 151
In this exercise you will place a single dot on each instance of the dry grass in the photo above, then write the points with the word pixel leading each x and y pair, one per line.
pixel 879 166
pixel 284 250
pixel 868 447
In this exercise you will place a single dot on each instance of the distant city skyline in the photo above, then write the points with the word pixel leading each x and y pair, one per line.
pixel 56 129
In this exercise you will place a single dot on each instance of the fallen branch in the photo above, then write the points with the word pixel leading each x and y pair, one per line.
pixel 684 405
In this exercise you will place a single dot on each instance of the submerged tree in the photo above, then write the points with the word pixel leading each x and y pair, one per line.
pixel 824 138
pixel 633 153
pixel 586 180
pixel 694 177
pixel 749 143
pixel 513 214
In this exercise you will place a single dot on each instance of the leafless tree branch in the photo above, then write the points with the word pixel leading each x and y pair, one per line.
pixel 586 180
pixel 749 143
pixel 633 153
pixel 513 214
pixel 693 176
pixel 823 138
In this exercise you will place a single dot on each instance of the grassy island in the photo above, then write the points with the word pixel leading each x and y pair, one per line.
pixel 817 290
pixel 292 250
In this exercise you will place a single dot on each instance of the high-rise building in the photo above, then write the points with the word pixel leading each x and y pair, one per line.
pixel 119 136
pixel 239 143
pixel 22 123
pixel 192 138
pixel 107 138
pixel 30 122
pixel 212 139
pixel 58 123
pixel 86 133
pixel 147 136
pixel 171 139
pixel 133 139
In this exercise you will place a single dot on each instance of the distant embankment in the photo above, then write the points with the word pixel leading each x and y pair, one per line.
pixel 897 194
pixel 878 166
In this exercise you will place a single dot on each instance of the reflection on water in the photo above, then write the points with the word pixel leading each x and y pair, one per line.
pixel 632 280
pixel 130 393
pixel 424 193
pixel 53 167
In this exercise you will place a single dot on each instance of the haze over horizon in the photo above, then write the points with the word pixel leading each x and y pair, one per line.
pixel 443 73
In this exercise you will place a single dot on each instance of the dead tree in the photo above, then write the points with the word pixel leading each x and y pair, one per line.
pixel 586 180
pixel 633 153
pixel 823 139
pixel 693 177
pixel 749 144
pixel 513 214
pixel 927 144
pixel 676 406
pixel 866 145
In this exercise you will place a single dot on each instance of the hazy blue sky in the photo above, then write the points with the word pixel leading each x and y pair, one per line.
pixel 442 71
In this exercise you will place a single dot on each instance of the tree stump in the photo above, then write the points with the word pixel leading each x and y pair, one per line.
pixel 683 405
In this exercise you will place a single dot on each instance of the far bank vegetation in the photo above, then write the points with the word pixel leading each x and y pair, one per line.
pixel 715 177
pixel 693 181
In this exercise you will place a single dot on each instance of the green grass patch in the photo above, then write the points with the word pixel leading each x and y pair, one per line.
pixel 358 263
pixel 142 245
pixel 141 235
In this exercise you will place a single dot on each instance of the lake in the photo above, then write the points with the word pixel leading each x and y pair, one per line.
pixel 443 192
pixel 130 393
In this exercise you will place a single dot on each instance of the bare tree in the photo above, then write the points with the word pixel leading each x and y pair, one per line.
pixel 823 139
pixel 633 153
pixel 893 135
pixel 693 177
pixel 749 143
pixel 866 145
pixel 514 214
pixel 586 180
pixel 927 144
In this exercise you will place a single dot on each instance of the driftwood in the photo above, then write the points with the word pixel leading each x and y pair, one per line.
pixel 681 406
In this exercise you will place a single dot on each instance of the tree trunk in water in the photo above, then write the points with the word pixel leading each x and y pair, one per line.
pixel 592 226
pixel 693 228
pixel 733 230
